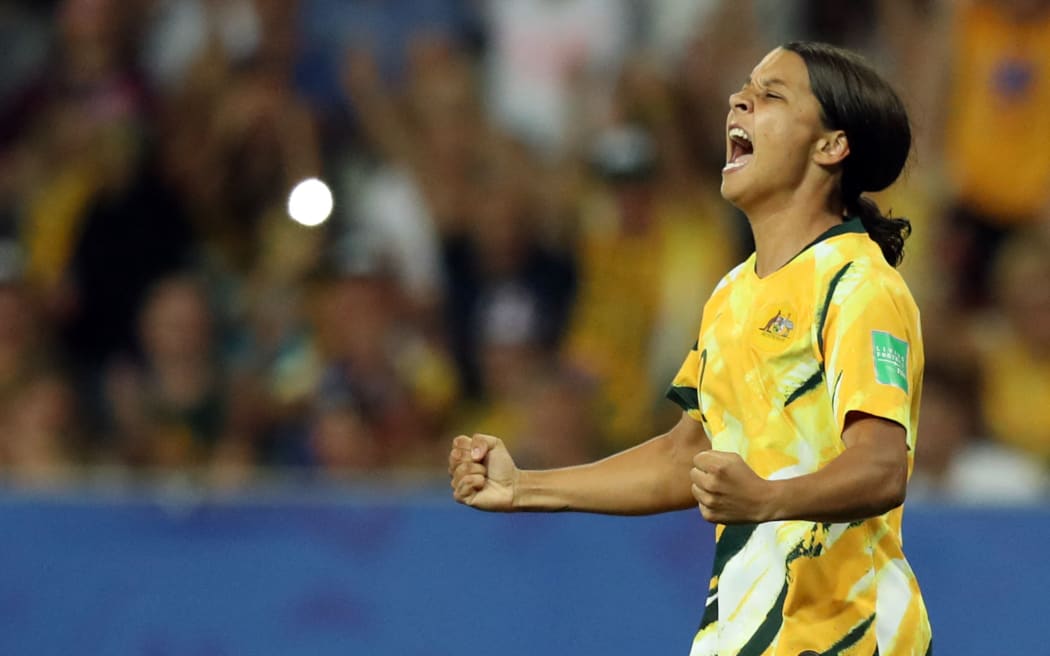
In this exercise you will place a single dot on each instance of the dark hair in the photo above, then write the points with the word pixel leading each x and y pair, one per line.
pixel 855 99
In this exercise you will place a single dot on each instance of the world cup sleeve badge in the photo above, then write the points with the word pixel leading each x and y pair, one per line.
pixel 890 356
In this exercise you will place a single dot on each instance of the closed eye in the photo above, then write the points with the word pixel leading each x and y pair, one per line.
pixel 774 96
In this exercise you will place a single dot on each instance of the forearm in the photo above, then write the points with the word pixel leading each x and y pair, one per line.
pixel 652 477
pixel 860 483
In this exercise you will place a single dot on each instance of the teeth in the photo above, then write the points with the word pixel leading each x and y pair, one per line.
pixel 738 133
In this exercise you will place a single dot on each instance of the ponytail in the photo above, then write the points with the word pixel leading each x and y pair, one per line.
pixel 888 232
pixel 855 99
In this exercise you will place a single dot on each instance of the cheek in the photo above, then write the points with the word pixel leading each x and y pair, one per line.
pixel 785 141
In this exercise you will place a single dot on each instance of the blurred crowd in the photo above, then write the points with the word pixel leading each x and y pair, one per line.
pixel 526 226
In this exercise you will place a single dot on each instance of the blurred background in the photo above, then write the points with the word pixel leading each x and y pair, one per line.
pixel 509 225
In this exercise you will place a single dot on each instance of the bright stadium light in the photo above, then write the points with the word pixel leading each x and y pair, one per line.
pixel 310 202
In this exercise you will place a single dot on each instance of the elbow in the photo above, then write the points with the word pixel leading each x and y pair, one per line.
pixel 894 499
pixel 893 490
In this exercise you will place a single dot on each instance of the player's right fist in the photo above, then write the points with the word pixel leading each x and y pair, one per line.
pixel 483 474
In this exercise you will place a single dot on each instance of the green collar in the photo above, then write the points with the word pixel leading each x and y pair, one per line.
pixel 849 225
pixel 852 224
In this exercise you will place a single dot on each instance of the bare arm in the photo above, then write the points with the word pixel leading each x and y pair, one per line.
pixel 649 478
pixel 380 115
pixel 867 479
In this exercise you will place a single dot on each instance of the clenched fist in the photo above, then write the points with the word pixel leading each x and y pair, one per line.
pixel 483 473
pixel 728 490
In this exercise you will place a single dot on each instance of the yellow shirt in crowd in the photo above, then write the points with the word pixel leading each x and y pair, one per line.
pixel 640 291
pixel 1015 384
pixel 997 127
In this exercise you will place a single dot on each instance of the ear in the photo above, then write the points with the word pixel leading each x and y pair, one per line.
pixel 831 148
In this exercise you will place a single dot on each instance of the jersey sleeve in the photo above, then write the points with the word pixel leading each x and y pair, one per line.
pixel 683 389
pixel 872 348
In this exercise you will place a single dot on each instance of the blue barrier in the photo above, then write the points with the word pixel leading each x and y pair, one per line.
pixel 360 574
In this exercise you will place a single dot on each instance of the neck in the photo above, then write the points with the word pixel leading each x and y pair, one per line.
pixel 781 234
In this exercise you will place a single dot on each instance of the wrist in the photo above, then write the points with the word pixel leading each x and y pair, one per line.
pixel 519 490
pixel 777 491
pixel 533 490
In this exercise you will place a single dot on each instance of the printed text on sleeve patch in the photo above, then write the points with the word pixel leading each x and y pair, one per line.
pixel 891 359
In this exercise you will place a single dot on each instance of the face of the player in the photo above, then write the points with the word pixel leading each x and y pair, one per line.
pixel 772 131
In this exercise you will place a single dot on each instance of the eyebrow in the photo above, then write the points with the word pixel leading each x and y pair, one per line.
pixel 768 82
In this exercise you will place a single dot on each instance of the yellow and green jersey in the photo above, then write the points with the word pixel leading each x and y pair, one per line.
pixel 779 363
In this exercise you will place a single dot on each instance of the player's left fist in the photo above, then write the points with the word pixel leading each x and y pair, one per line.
pixel 727 490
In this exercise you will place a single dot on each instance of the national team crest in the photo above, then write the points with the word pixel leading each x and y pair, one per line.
pixel 779 326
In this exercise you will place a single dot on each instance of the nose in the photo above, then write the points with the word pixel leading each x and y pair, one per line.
pixel 741 101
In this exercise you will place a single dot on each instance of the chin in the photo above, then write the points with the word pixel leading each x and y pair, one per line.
pixel 743 189
pixel 731 191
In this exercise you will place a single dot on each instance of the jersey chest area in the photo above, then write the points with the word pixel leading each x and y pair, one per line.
pixel 760 360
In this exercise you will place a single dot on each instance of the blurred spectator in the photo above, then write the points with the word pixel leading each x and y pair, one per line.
pixel 340 442
pixel 1000 75
pixel 913 40
pixel 560 427
pixel 649 258
pixel 502 277
pixel 544 57
pixel 512 360
pixel 649 106
pixel 910 46
pixel 39 423
pixel 177 406
pixel 236 139
pixel 952 463
pixel 384 390
pixel 389 210
pixel 424 140
pixel 545 412
pixel 1014 350
pixel 668 26
pixel 266 318
pixel 133 233
pixel 729 36
pixel 91 65
pixel 181 32
pixel 262 142
pixel 37 405
pixel 382 30
pixel 537 406
pixel 69 127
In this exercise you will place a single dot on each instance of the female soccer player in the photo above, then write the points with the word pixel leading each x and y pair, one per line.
pixel 801 395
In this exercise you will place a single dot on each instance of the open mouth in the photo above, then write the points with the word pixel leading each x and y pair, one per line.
pixel 741 150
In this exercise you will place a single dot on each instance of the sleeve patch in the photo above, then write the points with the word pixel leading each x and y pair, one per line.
pixel 891 359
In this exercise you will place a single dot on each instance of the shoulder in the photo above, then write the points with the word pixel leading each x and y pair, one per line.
pixel 862 289
pixel 853 269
